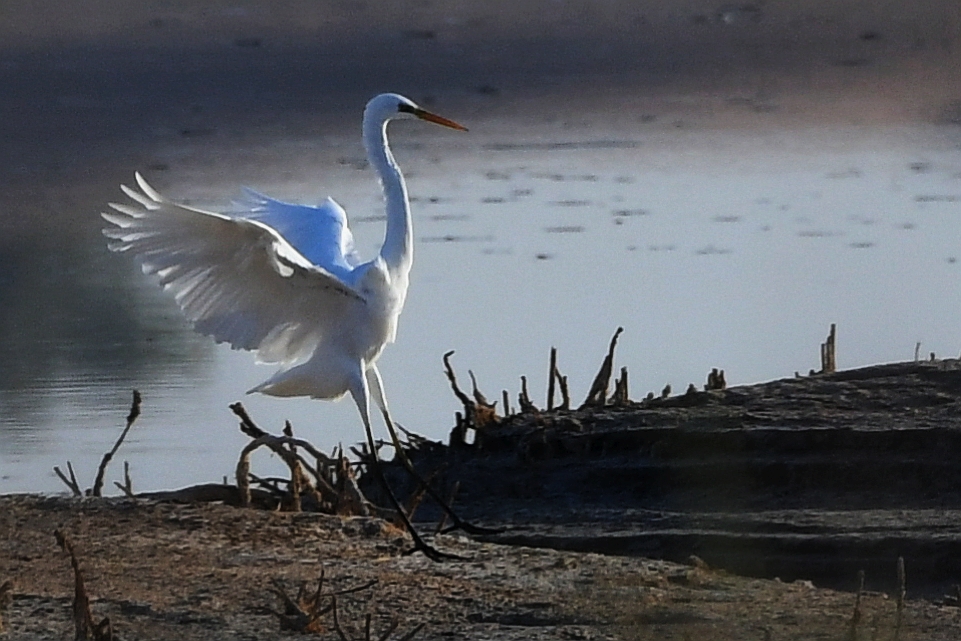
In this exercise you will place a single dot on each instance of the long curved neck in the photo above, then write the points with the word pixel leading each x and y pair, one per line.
pixel 398 249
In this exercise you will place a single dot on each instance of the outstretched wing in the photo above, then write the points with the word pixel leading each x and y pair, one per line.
pixel 237 280
pixel 320 234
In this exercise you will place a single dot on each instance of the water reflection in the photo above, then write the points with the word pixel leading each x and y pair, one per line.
pixel 75 324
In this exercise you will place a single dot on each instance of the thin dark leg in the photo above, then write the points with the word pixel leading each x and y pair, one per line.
pixel 458 523
pixel 420 545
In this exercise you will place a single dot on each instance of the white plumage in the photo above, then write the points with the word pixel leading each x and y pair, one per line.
pixel 284 280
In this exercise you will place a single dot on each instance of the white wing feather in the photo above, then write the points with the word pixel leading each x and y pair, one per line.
pixel 320 234
pixel 236 280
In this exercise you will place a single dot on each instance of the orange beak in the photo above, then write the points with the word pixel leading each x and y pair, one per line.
pixel 437 120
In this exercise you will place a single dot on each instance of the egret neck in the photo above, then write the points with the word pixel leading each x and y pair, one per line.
pixel 398 249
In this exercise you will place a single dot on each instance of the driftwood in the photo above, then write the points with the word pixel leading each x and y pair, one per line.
pixel 84 627
pixel 597 396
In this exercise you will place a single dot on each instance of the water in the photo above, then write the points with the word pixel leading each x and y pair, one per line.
pixel 726 249
pixel 724 190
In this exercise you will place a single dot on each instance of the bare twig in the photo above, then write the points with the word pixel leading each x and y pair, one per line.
pixel 127 486
pixel 621 396
pixel 902 593
pixel 550 379
pixel 828 358
pixel 85 628
pixel 6 598
pixel 857 614
pixel 134 413
pixel 565 393
pixel 72 481
pixel 598 394
pixel 450 503
pixel 524 399
pixel 247 425
pixel 461 396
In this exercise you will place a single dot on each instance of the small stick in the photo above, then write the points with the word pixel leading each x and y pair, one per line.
pixel 449 371
pixel 507 403
pixel 127 486
pixel 134 413
pixel 6 597
pixel 565 393
pixel 828 358
pixel 390 629
pixel 524 399
pixel 247 425
pixel 598 394
pixel 84 626
pixel 72 481
pixel 337 628
pixel 856 615
pixel 550 379
pixel 450 503
pixel 902 592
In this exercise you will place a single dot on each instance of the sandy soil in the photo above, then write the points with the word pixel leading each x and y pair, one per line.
pixel 163 571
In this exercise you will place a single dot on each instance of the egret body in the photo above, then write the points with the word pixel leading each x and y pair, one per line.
pixel 284 280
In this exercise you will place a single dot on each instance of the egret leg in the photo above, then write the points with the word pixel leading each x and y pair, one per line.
pixel 376 386
pixel 361 397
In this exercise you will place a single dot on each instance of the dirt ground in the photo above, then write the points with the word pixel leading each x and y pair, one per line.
pixel 162 571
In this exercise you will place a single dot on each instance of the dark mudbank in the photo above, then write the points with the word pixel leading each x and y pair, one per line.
pixel 813 477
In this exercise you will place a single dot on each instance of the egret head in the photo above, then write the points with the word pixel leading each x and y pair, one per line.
pixel 387 106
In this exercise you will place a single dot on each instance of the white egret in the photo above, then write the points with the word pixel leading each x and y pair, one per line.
pixel 284 280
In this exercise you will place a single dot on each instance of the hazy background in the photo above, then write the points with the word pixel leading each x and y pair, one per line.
pixel 723 180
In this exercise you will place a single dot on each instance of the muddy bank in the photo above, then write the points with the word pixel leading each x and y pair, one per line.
pixel 812 477
pixel 162 571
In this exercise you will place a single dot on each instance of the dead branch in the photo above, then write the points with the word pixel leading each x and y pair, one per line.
pixel 507 403
pixel 450 503
pixel 828 358
pixel 6 598
pixel 247 425
pixel 85 628
pixel 134 413
pixel 461 396
pixel 565 393
pixel 306 612
pixel 902 592
pixel 280 445
pixel 620 396
pixel 72 481
pixel 127 486
pixel 856 616
pixel 524 399
pixel 550 379
pixel 597 396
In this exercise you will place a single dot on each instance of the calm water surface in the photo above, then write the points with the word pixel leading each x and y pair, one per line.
pixel 712 248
